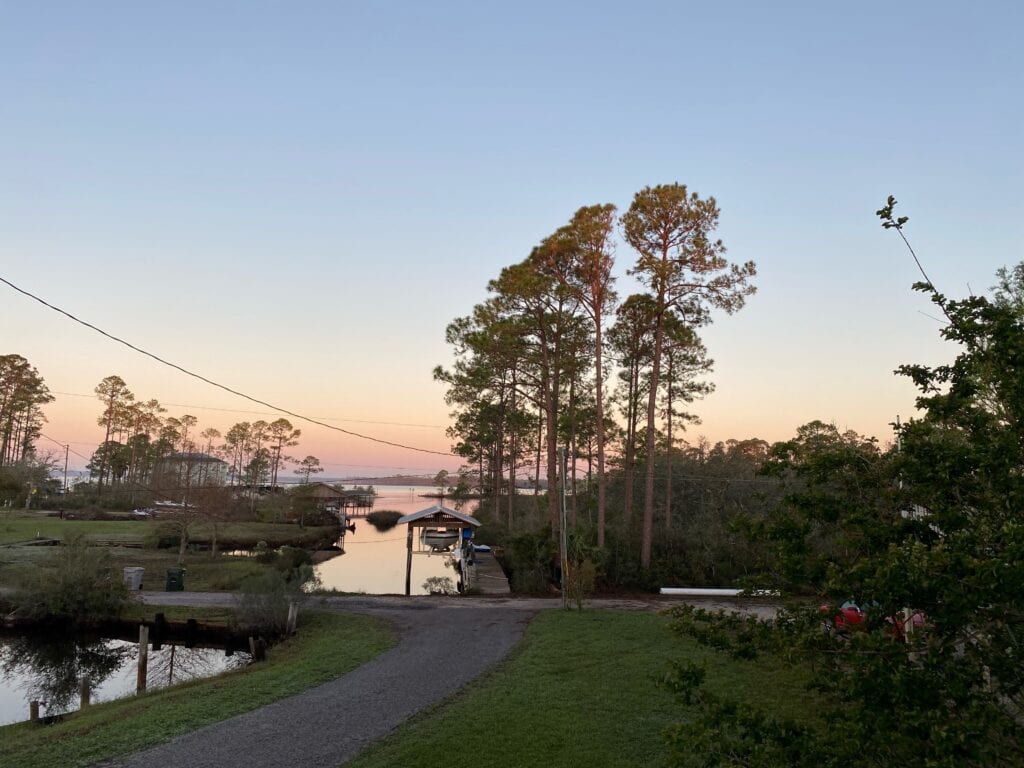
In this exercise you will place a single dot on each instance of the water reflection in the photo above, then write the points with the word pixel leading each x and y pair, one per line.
pixel 373 561
pixel 49 669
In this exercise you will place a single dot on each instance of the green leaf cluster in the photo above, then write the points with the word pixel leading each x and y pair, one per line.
pixel 78 585
pixel 931 527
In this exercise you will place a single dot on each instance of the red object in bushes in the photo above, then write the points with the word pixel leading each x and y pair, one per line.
pixel 850 617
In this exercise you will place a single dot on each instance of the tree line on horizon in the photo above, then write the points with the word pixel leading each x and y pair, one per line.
pixel 23 393
pixel 137 436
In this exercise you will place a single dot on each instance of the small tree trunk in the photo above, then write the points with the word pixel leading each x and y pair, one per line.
pixel 599 394
pixel 183 545
pixel 647 534
pixel 668 458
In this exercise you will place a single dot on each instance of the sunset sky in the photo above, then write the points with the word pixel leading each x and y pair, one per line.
pixel 295 199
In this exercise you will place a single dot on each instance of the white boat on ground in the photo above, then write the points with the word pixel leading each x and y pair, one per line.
pixel 438 539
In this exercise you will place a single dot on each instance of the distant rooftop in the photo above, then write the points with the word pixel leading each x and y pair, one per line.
pixel 439 511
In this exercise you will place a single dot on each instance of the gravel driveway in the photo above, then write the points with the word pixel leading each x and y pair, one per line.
pixel 444 644
pixel 441 648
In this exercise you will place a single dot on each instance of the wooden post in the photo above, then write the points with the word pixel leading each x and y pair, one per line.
pixel 408 560
pixel 33 711
pixel 258 648
pixel 84 692
pixel 159 630
pixel 293 617
pixel 140 686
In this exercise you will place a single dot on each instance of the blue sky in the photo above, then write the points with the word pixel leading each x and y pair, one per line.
pixel 296 198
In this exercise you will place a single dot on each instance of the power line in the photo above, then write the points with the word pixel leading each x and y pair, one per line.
pixel 65 445
pixel 214 383
pixel 270 413
pixel 375 466
pixel 323 464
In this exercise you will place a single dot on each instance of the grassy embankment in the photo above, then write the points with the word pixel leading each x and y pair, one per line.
pixel 20 526
pixel 132 543
pixel 582 689
pixel 326 646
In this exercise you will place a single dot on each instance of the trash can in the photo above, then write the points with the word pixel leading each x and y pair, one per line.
pixel 175 579
pixel 133 577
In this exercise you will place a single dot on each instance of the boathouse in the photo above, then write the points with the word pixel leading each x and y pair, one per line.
pixel 437 521
pixel 330 499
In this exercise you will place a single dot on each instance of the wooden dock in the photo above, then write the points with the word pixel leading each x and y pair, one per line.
pixel 488 578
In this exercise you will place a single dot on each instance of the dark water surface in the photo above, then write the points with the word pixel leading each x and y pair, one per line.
pixel 44 668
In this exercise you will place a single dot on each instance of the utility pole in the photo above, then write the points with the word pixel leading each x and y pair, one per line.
pixel 65 469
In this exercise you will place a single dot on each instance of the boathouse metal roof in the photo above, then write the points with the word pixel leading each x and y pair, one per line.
pixel 440 515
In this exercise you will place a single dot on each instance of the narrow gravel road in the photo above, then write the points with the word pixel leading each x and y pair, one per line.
pixel 441 648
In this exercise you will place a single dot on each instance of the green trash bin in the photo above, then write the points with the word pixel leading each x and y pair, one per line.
pixel 175 579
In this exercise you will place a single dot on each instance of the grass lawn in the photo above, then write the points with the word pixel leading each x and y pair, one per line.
pixel 327 645
pixel 581 690
pixel 20 525
pixel 204 572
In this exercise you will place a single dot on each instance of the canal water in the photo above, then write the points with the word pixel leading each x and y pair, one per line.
pixel 46 669
pixel 373 562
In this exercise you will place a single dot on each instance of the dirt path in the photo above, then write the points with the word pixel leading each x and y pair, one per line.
pixel 444 644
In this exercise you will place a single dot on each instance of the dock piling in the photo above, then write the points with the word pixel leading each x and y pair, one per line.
pixel 140 686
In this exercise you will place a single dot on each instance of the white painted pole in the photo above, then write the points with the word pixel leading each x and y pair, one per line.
pixel 714 592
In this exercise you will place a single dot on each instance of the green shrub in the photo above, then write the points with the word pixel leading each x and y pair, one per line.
pixel 529 558
pixel 264 598
pixel 439 585
pixel 290 559
pixel 162 536
pixel 263 603
pixel 384 519
pixel 80 584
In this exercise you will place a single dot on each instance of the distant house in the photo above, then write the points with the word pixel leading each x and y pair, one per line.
pixel 327 497
pixel 189 470
pixel 331 499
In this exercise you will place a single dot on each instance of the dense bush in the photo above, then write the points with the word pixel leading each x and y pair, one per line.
pixel 265 598
pixel 440 585
pixel 530 560
pixel 931 527
pixel 80 584
pixel 384 519
pixel 263 603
